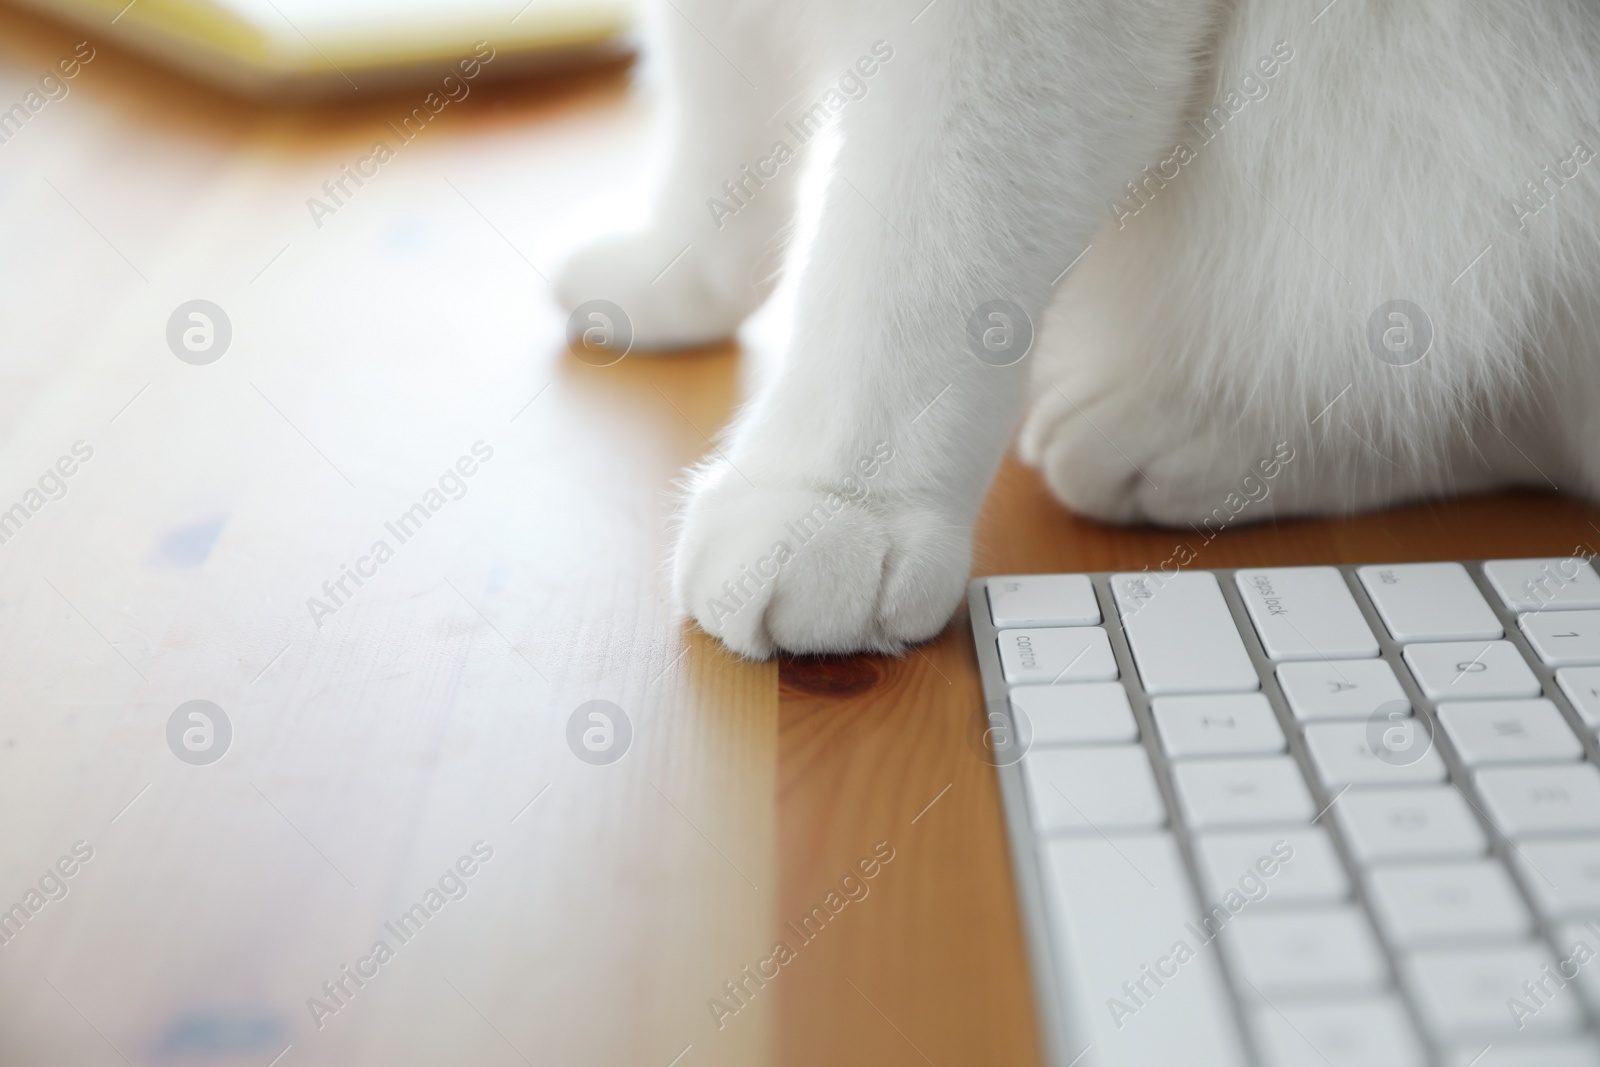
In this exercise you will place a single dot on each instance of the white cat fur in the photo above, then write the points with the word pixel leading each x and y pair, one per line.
pixel 1218 315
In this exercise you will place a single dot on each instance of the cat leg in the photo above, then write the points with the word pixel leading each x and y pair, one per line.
pixel 1125 429
pixel 1134 421
pixel 1249 294
pixel 840 515
pixel 705 257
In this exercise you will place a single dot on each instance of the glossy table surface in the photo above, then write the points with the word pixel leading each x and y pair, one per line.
pixel 386 737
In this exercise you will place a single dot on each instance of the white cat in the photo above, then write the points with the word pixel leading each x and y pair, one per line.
pixel 1363 235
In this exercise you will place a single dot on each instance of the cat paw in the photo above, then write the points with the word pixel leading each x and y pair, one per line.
pixel 1125 462
pixel 674 293
pixel 807 570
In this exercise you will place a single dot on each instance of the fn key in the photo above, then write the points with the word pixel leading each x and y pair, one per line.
pixel 1024 600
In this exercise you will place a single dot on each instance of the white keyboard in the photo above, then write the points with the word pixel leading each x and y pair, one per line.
pixel 1319 816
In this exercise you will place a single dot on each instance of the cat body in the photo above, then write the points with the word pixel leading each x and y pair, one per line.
pixel 1181 242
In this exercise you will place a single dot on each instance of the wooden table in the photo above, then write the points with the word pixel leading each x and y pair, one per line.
pixel 376 744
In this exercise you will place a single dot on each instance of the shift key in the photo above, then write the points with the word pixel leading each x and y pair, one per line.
pixel 1182 634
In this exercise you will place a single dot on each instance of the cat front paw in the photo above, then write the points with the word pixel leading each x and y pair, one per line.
pixel 674 293
pixel 809 570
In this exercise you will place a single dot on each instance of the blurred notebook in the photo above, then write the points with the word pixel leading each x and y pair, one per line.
pixel 322 48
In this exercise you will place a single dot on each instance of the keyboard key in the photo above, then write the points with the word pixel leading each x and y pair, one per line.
pixel 1563 638
pixel 1428 823
pixel 1582 686
pixel 1430 602
pixel 1366 1032
pixel 1340 689
pixel 1092 789
pixel 1577 945
pixel 1265 791
pixel 1305 613
pixel 1295 864
pixel 1468 992
pixel 1024 601
pixel 1118 906
pixel 1182 634
pixel 1536 584
pixel 1472 670
pixel 1579 1053
pixel 1562 876
pixel 1435 903
pixel 1311 950
pixel 1342 753
pixel 1235 724
pixel 1509 731
pixel 1562 798
pixel 1053 656
pixel 1084 713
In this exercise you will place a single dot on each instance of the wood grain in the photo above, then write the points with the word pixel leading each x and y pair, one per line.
pixel 373 747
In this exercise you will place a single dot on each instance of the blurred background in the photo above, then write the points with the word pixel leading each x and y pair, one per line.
pixel 277 50
pixel 239 341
